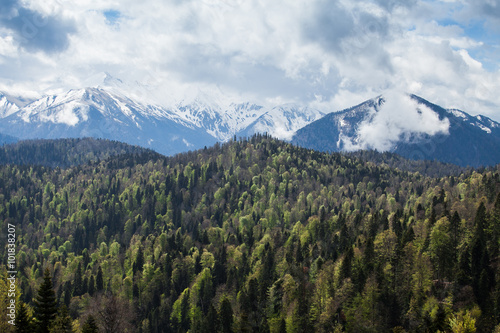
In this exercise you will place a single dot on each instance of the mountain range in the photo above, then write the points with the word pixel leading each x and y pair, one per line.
pixel 108 111
pixel 427 132
pixel 111 109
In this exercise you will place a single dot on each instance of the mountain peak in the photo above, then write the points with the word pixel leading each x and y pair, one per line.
pixel 9 105
pixel 410 126
pixel 111 108
pixel 102 80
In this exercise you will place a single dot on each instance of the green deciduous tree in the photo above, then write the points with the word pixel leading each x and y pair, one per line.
pixel 441 248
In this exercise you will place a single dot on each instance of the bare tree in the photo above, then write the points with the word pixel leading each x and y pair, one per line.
pixel 112 313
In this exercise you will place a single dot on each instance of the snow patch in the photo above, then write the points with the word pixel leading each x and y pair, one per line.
pixel 484 128
pixel 458 113
pixel 342 122
pixel 6 107
pixel 493 124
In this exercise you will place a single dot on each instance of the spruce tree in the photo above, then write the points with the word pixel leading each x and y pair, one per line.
pixel 78 283
pixel 62 322
pixel 67 292
pixel 91 287
pixel 211 320
pixel 282 328
pixel 139 259
pixel 90 325
pixel 45 304
pixel 226 316
pixel 99 282
pixel 24 322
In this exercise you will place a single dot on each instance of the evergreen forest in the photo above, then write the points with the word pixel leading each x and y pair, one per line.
pixel 254 235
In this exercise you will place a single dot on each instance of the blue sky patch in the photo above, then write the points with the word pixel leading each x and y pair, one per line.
pixel 112 16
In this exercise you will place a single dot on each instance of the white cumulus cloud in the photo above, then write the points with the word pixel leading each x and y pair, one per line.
pixel 290 51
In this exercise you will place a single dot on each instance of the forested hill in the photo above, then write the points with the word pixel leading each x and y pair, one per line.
pixel 4 139
pixel 255 236
pixel 424 167
pixel 68 152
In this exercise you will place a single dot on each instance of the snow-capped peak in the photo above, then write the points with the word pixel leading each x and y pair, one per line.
pixel 6 106
pixel 10 104
pixel 482 122
pixel 283 121
pixel 116 105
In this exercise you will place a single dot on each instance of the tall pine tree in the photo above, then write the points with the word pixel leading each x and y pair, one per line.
pixel 45 304
pixel 226 316
pixel 99 282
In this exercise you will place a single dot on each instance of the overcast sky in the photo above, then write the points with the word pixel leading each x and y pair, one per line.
pixel 326 53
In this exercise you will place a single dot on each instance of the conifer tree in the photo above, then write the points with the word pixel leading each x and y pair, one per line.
pixel 91 287
pixel 24 322
pixel 211 320
pixel 226 316
pixel 139 259
pixel 90 325
pixel 282 328
pixel 45 304
pixel 67 292
pixel 78 283
pixel 62 322
pixel 99 282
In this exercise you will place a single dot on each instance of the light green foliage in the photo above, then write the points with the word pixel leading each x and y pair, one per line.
pixel 286 238
pixel 441 248
pixel 463 323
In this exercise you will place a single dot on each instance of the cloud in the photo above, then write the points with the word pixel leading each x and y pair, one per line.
pixel 328 24
pixel 330 53
pixel 390 5
pixel 354 34
pixel 33 30
pixel 399 118
pixel 488 7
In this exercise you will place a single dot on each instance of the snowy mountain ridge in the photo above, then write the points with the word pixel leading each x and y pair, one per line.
pixel 140 115
pixel 407 125
pixel 120 111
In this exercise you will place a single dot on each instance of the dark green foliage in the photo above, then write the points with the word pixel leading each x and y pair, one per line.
pixel 67 152
pixel 212 320
pixel 90 325
pixel 78 282
pixel 45 304
pixel 226 316
pixel 139 260
pixel 258 235
pixel 395 161
pixel 99 280
pixel 62 322
pixel 282 328
pixel 24 323
pixel 91 286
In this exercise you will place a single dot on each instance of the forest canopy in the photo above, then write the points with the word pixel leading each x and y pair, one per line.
pixel 254 235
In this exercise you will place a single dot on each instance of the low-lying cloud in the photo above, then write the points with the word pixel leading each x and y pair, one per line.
pixel 398 118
